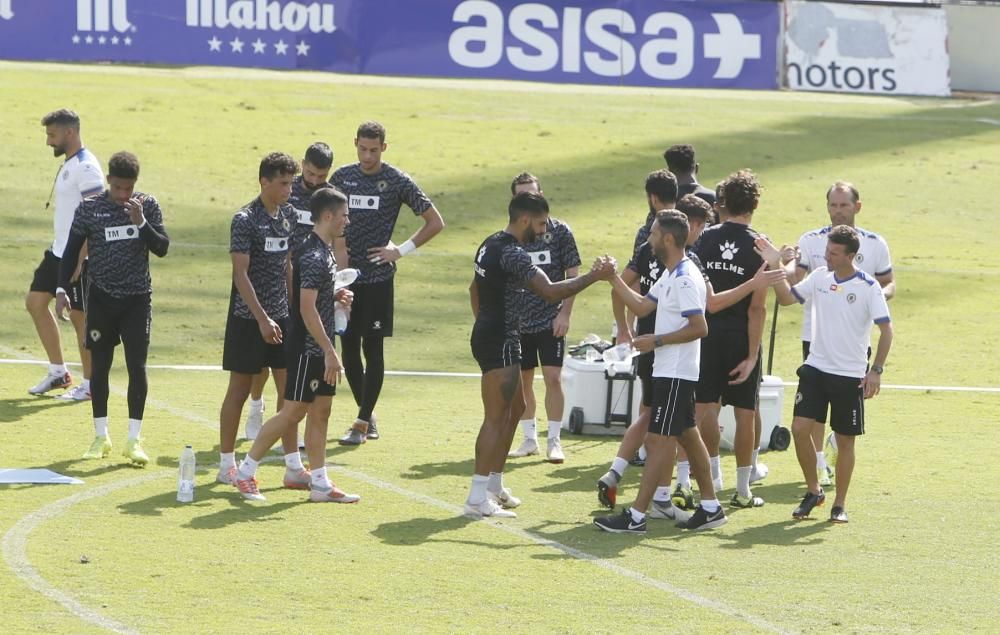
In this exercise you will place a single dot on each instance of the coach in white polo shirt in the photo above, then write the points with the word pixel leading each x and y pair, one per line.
pixel 845 302
pixel 79 176
pixel 843 204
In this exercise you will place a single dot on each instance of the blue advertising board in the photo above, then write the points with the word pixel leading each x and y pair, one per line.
pixel 629 42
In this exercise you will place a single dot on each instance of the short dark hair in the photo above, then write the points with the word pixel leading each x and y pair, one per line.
pixel 844 185
pixel 123 165
pixel 323 199
pixel 62 117
pixel 674 223
pixel 527 203
pixel 319 155
pixel 523 179
pixel 741 193
pixel 277 163
pixel 695 208
pixel 847 236
pixel 680 158
pixel 663 185
pixel 372 130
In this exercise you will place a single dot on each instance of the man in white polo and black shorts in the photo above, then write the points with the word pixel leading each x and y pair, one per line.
pixel 543 339
pixel 679 299
pixel 835 377
pixel 79 176
pixel 375 192
pixel 843 204
pixel 260 239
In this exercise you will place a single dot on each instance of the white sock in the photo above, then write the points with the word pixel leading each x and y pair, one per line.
pixel 716 463
pixel 248 468
pixel 57 369
pixel 619 465
pixel 495 482
pixel 101 426
pixel 711 506
pixel 134 428
pixel 662 494
pixel 477 493
pixel 293 461
pixel 821 460
pixel 555 428
pixel 85 384
pixel 743 480
pixel 753 457
pixel 319 479
pixel 227 460
pixel 528 428
pixel 642 452
pixel 257 405
pixel 684 474
pixel 637 515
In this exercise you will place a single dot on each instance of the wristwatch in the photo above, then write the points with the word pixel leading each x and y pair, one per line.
pixel 877 370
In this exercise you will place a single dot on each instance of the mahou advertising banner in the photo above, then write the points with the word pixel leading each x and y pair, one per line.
pixel 867 49
pixel 632 42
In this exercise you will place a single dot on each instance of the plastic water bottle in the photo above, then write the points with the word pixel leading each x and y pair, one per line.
pixel 339 320
pixel 185 481
pixel 614 332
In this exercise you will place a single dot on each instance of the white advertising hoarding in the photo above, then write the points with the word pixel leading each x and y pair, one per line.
pixel 866 49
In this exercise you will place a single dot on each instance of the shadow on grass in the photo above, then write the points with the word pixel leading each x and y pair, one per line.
pixel 417 531
pixel 452 468
pixel 239 510
pixel 89 468
pixel 20 407
pixel 799 533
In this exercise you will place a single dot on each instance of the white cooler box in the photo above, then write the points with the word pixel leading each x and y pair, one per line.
pixel 772 435
pixel 585 391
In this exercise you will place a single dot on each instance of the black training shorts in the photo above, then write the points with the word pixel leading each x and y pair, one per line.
pixel 46 280
pixel 721 352
pixel 305 379
pixel 111 320
pixel 644 370
pixel 673 406
pixel 843 396
pixel 492 350
pixel 245 351
pixel 371 310
pixel 543 347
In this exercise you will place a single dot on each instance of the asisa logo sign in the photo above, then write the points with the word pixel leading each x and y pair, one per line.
pixel 700 39
pixel 261 15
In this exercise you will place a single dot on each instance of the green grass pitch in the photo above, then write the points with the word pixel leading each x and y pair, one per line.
pixel 118 553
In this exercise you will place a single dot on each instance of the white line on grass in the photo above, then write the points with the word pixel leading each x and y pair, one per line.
pixel 431 373
pixel 15 541
pixel 16 554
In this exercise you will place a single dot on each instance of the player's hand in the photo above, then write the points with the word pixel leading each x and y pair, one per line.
pixel 767 251
pixel 77 272
pixel 767 277
pixel 383 255
pixel 604 267
pixel 270 331
pixel 62 307
pixel 789 253
pixel 345 297
pixel 871 383
pixel 742 371
pixel 134 208
pixel 560 325
pixel 332 370
pixel 644 343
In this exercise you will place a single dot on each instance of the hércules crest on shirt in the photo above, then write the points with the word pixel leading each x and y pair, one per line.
pixel 547 237
pixel 286 224
pixel 851 298
pixel 382 185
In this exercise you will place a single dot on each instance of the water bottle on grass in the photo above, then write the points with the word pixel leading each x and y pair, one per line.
pixel 185 481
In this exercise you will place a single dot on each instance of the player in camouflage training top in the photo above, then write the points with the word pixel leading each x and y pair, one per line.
pixel 260 238
pixel 543 338
pixel 120 227
pixel 312 357
pixel 315 169
pixel 502 269
pixel 375 191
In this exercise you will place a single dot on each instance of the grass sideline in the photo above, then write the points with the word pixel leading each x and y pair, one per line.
pixel 398 554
